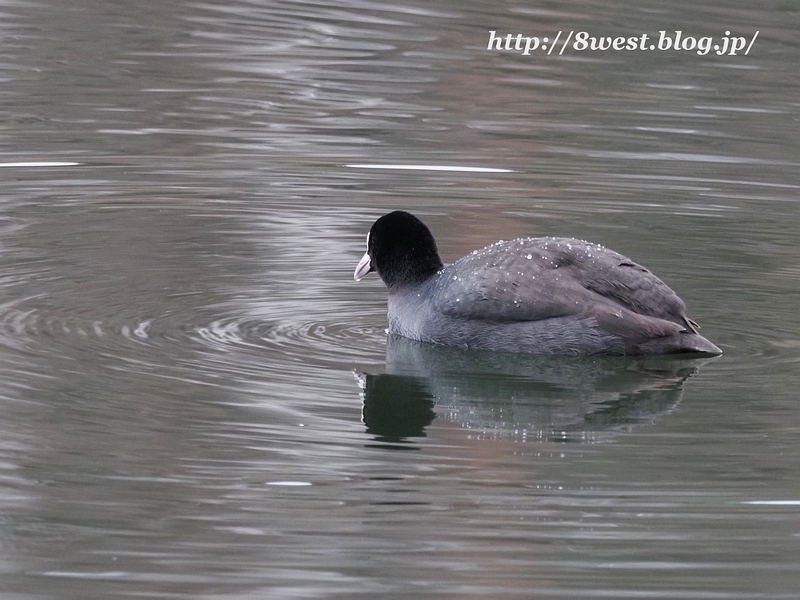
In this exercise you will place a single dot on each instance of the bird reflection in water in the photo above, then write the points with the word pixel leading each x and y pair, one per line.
pixel 546 398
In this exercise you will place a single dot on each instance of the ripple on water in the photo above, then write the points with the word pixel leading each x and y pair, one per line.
pixel 315 341
pixel 204 340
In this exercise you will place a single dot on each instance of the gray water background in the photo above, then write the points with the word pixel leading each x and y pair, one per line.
pixel 197 401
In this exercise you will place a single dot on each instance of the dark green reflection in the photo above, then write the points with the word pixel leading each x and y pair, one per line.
pixel 397 406
pixel 535 397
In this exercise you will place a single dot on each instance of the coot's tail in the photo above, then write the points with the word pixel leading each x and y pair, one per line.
pixel 680 343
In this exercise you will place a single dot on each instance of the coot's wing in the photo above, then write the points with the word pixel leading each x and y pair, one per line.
pixel 540 278
pixel 617 278
pixel 506 282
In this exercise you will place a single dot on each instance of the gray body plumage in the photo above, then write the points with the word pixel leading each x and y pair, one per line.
pixel 546 296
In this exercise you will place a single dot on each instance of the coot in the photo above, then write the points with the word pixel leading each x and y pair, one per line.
pixel 532 295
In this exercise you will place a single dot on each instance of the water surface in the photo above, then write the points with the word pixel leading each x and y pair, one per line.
pixel 199 402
